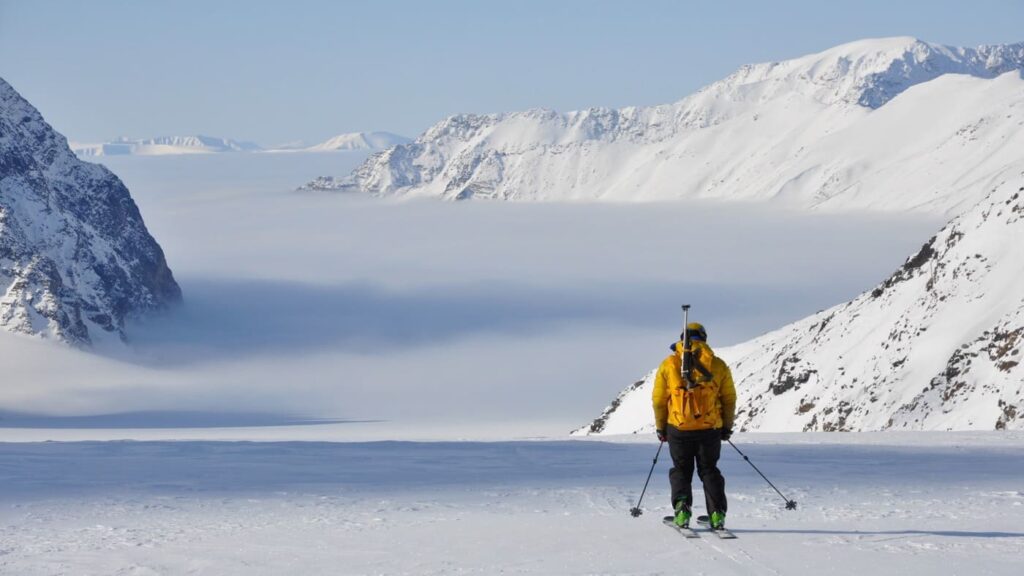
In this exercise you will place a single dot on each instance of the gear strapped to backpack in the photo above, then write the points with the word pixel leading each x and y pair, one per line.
pixel 690 364
pixel 695 400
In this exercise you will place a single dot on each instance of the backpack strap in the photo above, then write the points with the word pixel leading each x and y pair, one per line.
pixel 703 371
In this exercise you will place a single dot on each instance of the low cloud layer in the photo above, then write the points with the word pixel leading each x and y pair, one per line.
pixel 333 306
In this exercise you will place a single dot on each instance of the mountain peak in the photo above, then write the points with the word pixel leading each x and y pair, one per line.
pixel 872 72
pixel 359 141
pixel 76 258
pixel 866 47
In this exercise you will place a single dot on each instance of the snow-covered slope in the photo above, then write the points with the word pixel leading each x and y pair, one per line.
pixel 359 141
pixel 883 124
pixel 75 255
pixel 936 346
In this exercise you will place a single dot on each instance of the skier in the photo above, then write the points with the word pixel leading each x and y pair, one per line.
pixel 694 413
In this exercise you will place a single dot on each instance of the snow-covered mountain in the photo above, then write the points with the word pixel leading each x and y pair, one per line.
pixel 75 256
pixel 163 146
pixel 936 346
pixel 893 123
pixel 359 141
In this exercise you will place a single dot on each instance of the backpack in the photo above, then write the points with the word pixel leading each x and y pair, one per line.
pixel 699 407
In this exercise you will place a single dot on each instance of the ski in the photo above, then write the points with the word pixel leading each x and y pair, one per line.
pixel 723 533
pixel 685 532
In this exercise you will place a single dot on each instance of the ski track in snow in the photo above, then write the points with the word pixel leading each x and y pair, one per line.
pixel 937 503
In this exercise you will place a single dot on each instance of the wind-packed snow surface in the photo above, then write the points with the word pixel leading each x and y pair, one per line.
pixel 901 503
pixel 936 346
pixel 888 124
pixel 76 258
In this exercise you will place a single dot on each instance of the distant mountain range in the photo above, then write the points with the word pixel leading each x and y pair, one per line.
pixel 76 259
pixel 166 145
pixel 886 124
pixel 174 145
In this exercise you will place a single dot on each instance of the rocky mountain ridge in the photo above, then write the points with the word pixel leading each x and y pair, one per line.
pixel 803 132
pixel 76 258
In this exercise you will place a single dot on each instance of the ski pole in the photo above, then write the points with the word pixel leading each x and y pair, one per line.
pixel 636 511
pixel 790 504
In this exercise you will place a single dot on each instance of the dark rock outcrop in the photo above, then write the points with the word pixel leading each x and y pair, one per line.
pixel 76 259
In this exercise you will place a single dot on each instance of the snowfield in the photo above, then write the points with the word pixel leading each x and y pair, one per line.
pixel 901 503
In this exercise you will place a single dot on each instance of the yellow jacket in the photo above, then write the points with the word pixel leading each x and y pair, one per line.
pixel 711 404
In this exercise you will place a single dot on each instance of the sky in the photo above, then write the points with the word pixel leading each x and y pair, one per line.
pixel 280 72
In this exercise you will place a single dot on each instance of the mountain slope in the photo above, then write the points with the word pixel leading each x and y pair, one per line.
pixel 936 346
pixel 804 131
pixel 75 256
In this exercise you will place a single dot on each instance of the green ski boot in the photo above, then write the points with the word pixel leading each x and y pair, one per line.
pixel 683 514
pixel 717 520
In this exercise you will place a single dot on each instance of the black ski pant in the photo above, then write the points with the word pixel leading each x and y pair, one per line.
pixel 701 448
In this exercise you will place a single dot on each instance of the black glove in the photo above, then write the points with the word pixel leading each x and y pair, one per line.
pixel 661 435
pixel 726 434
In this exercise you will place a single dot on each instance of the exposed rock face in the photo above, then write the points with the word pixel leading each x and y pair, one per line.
pixel 75 255
pixel 936 346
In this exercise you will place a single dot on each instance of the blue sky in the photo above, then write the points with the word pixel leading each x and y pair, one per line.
pixel 276 72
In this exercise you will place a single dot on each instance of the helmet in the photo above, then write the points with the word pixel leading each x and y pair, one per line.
pixel 697 332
